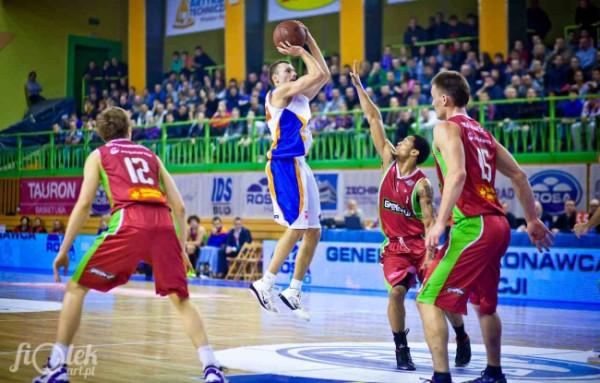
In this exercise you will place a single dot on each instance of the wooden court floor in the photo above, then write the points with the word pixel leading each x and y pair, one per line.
pixel 138 337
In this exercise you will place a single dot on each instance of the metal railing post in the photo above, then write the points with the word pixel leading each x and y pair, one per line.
pixel 553 141
pixel 163 142
pixel 207 148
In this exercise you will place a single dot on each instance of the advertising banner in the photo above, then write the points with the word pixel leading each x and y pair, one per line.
pixel 48 196
pixel 190 16
pixel 247 194
pixel 36 252
pixel 561 274
pixel 295 9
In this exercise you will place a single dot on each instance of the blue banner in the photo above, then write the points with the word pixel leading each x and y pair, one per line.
pixel 36 252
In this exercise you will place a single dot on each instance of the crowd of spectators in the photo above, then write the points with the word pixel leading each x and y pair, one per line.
pixel 195 96
pixel 38 226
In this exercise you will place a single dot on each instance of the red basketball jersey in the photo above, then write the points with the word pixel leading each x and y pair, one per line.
pixel 130 175
pixel 479 195
pixel 399 208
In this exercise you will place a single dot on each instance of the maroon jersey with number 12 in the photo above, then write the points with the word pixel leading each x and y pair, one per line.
pixel 130 174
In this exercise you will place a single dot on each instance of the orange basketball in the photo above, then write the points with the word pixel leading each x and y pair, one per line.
pixel 291 31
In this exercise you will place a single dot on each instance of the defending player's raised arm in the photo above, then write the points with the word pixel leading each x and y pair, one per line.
pixel 309 84
pixel 175 201
pixel 384 147
pixel 582 228
pixel 446 137
pixel 538 232
pixel 81 211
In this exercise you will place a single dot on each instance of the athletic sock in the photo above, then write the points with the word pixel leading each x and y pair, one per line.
pixel 58 357
pixel 442 377
pixel 400 339
pixel 493 371
pixel 269 278
pixel 296 284
pixel 206 356
pixel 460 332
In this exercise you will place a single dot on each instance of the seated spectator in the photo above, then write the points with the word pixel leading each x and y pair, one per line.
pixel 542 215
pixel 176 62
pixel 218 234
pixel 219 120
pixel 194 238
pixel 587 126
pixel 557 76
pixel 24 227
pixel 594 205
pixel 404 124
pixel 352 210
pixel 200 61
pixel 586 53
pixel 236 238
pixel 38 226
pixel 471 28
pixel 33 89
pixel 566 221
pixel 58 227
pixel 197 127
pixel 74 135
pixel 512 220
pixel 334 104
pixel 491 88
pixel 103 226
pixel 236 127
pixel 413 34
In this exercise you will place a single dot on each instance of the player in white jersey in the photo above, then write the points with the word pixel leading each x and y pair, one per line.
pixel 292 185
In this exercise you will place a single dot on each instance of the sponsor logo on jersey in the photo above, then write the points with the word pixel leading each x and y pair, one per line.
pixel 487 192
pixel 455 290
pixel 395 207
pixel 553 187
pixel 146 194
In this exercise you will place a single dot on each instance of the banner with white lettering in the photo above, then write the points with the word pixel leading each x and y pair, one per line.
pixel 190 16
pixel 48 196
pixel 561 274
pixel 294 9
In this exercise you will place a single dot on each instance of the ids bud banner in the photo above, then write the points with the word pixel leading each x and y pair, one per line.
pixel 48 196
pixel 190 16
pixel 294 9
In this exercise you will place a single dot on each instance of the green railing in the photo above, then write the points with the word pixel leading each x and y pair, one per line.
pixel 437 42
pixel 544 139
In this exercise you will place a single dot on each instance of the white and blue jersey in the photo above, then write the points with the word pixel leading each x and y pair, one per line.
pixel 292 185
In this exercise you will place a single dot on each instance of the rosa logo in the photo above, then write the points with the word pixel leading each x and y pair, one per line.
pixel 553 187
pixel 258 193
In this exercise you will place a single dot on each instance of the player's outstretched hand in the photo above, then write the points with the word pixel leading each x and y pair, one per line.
pixel 285 48
pixel 61 260
pixel 432 240
pixel 539 235
pixel 580 229
pixel 355 76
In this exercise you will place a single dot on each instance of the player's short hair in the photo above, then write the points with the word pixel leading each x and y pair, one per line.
pixel 216 218
pixel 454 85
pixel 422 145
pixel 273 69
pixel 113 124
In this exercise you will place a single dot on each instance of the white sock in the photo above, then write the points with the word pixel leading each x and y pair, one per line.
pixel 59 355
pixel 207 358
pixel 269 278
pixel 296 284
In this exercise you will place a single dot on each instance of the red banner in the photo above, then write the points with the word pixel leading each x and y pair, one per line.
pixel 49 196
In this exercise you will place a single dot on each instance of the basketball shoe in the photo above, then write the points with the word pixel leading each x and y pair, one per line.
pixel 485 378
pixel 58 374
pixel 264 294
pixel 463 352
pixel 213 374
pixel 293 299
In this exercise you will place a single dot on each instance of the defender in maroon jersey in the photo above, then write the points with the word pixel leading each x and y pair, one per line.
pixel 405 213
pixel 142 227
pixel 468 266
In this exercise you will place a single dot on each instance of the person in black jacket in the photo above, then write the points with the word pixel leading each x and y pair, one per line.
pixel 236 238
pixel 566 221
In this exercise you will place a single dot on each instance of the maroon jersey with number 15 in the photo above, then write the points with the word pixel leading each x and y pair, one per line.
pixel 130 175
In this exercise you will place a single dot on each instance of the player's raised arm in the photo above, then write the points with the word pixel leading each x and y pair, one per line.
pixel 539 234
pixel 384 147
pixel 316 53
pixel 81 211
pixel 309 84
pixel 446 137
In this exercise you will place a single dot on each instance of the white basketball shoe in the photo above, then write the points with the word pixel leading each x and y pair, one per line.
pixel 264 293
pixel 293 299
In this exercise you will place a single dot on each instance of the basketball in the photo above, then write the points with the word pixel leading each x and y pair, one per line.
pixel 291 31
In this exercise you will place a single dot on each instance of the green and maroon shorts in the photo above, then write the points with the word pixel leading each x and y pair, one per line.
pixel 468 266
